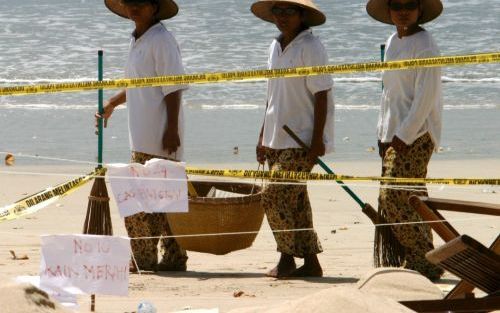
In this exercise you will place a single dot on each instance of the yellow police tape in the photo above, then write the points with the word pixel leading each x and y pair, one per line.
pixel 285 175
pixel 205 78
pixel 39 200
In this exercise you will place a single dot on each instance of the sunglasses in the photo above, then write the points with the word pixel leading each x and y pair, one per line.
pixel 290 11
pixel 135 2
pixel 409 6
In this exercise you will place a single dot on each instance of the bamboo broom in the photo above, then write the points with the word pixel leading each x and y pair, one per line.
pixel 98 219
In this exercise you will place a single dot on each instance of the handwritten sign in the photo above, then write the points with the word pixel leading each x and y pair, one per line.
pixel 93 264
pixel 159 186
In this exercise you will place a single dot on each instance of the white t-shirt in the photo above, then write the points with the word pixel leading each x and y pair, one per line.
pixel 412 99
pixel 291 100
pixel 155 53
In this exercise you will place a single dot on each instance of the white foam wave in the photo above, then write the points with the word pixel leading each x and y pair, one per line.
pixel 48 107
pixel 42 106
pixel 366 79
pixel 446 107
pixel 25 81
pixel 356 107
pixel 361 80
pixel 447 79
pixel 471 106
pixel 230 107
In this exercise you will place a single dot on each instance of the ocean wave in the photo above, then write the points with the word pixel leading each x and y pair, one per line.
pixel 367 79
pixel 48 107
pixel 361 80
pixel 353 107
pixel 26 81
pixel 343 107
pixel 445 107
pixel 471 106
pixel 446 79
pixel 230 106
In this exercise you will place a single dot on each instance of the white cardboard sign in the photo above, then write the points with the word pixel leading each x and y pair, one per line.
pixel 93 264
pixel 159 186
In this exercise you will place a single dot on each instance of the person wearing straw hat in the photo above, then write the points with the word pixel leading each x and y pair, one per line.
pixel 409 130
pixel 305 104
pixel 155 119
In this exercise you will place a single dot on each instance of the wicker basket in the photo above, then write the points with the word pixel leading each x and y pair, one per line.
pixel 219 215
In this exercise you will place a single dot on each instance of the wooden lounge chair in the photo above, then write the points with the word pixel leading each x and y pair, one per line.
pixel 478 266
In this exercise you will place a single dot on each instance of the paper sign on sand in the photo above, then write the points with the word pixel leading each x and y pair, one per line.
pixel 93 264
pixel 156 187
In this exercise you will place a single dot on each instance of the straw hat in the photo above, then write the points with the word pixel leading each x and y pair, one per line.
pixel 379 10
pixel 313 16
pixel 166 10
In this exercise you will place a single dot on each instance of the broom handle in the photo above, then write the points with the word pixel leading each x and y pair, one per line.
pixel 100 107
pixel 366 207
pixel 101 110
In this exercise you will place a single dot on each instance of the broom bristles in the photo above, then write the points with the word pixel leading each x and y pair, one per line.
pixel 388 251
pixel 98 219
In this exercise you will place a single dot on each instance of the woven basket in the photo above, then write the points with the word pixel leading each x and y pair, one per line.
pixel 219 215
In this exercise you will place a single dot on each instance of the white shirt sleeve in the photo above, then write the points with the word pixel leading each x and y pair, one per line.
pixel 168 61
pixel 427 94
pixel 314 53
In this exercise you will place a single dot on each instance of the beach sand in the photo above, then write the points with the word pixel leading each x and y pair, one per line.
pixel 212 281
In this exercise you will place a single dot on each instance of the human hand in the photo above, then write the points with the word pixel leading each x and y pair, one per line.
pixel 382 148
pixel 171 140
pixel 260 151
pixel 317 149
pixel 107 111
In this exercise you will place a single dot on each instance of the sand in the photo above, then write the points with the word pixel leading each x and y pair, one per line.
pixel 212 281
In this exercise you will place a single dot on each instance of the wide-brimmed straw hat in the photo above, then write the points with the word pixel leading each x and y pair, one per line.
pixel 166 8
pixel 313 16
pixel 379 10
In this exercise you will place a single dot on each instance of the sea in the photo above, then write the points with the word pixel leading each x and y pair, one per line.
pixel 55 41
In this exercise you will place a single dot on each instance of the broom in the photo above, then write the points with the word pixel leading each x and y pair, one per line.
pixel 387 249
pixel 98 219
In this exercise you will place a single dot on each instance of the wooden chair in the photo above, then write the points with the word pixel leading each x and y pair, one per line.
pixel 478 266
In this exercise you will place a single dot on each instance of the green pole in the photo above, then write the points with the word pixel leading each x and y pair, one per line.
pixel 100 109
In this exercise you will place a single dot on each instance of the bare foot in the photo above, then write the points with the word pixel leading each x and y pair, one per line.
pixel 311 267
pixel 307 271
pixel 285 267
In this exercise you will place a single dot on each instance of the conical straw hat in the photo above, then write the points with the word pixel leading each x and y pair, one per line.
pixel 167 8
pixel 379 10
pixel 313 16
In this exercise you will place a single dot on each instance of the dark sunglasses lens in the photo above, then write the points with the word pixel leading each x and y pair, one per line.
pixel 411 6
pixel 277 11
pixel 134 2
pixel 396 6
pixel 284 11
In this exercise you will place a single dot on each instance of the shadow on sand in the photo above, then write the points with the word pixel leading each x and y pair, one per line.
pixel 233 275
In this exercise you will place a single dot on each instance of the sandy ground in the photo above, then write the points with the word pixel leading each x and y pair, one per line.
pixel 210 282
